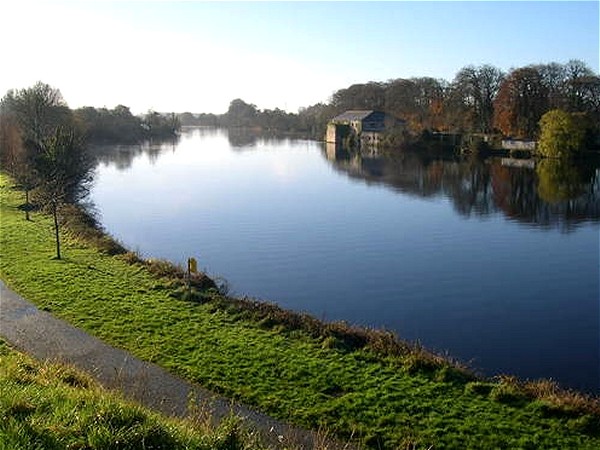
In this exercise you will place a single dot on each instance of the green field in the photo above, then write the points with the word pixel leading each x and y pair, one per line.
pixel 292 367
pixel 52 406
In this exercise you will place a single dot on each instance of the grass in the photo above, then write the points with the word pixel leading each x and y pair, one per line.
pixel 53 406
pixel 350 382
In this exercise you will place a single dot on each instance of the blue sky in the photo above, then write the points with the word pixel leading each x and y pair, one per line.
pixel 198 56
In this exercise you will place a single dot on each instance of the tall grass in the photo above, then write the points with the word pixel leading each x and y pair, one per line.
pixel 53 406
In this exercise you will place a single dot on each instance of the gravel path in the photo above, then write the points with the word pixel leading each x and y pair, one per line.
pixel 45 337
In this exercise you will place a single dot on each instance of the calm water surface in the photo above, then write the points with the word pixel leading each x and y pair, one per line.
pixel 495 264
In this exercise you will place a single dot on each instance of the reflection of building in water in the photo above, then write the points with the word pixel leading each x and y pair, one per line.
pixel 335 151
pixel 366 127
pixel 338 152
pixel 518 162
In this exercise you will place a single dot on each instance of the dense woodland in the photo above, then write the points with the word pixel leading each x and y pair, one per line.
pixel 480 99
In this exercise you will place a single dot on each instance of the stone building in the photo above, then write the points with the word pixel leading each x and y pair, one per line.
pixel 365 126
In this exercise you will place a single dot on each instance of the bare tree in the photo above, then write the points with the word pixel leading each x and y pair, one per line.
pixel 65 173
pixel 27 117
pixel 38 110
pixel 474 90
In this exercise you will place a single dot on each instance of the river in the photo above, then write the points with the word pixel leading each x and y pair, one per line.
pixel 494 262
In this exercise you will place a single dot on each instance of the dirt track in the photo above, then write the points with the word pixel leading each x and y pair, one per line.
pixel 45 337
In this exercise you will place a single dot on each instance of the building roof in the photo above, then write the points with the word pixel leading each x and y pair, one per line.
pixel 353 115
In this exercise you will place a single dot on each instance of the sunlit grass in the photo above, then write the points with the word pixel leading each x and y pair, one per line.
pixel 328 376
pixel 53 406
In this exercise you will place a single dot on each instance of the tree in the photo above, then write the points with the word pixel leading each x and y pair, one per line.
pixel 401 100
pixel 109 125
pixel 554 76
pixel 27 117
pixel 360 96
pixel 65 172
pixel 313 119
pixel 521 101
pixel 241 114
pixel 561 135
pixel 429 102
pixel 419 101
pixel 588 91
pixel 474 90
pixel 161 126
pixel 16 158
pixel 38 110
pixel 188 119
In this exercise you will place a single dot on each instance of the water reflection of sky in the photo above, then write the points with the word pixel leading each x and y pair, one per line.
pixel 283 223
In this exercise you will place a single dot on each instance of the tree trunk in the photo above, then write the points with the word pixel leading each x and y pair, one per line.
pixel 55 215
pixel 27 204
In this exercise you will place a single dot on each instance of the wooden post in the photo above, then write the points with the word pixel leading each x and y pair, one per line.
pixel 192 267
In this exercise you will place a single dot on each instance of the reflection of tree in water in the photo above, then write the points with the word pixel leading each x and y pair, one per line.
pixel 122 156
pixel 559 181
pixel 202 131
pixel 469 186
pixel 250 139
pixel 572 190
pixel 242 137
pixel 514 193
pixel 553 194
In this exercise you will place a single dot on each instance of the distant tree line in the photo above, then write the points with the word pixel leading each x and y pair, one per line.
pixel 310 121
pixel 119 125
pixel 480 99
pixel 246 115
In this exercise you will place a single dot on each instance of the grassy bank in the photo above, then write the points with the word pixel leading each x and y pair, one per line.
pixel 350 382
pixel 52 406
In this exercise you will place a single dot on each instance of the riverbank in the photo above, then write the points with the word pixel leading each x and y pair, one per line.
pixel 356 384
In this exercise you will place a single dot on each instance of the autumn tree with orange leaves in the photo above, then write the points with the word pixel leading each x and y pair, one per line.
pixel 521 101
